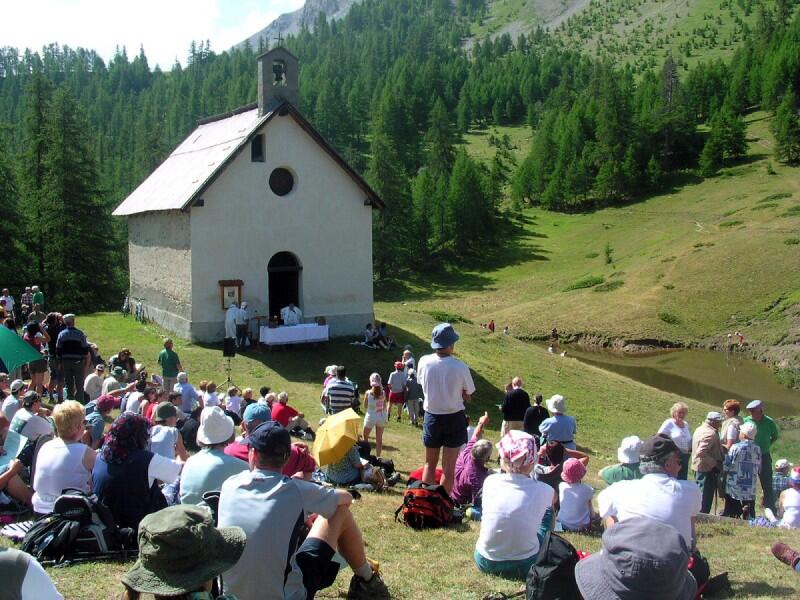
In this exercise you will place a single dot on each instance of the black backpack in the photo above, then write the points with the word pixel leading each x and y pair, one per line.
pixel 80 527
pixel 552 576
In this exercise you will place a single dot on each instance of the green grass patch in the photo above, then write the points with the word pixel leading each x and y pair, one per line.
pixel 586 282
pixel 729 224
pixel 669 318
pixel 668 259
pixel 703 245
pixel 669 286
pixel 765 206
pixel 791 241
pixel 592 255
pixel 609 286
pixel 447 317
pixel 792 212
pixel 777 196
pixel 731 212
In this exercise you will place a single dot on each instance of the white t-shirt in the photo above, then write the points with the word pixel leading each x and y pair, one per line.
pixel 93 385
pixel 513 507
pixel 134 402
pixel 10 406
pixel 791 508
pixel 59 466
pixel 163 440
pixel 211 399
pixel 574 501
pixel 655 496
pixel 682 436
pixel 111 384
pixel 234 404
pixel 443 380
pixel 35 584
pixel 163 469
pixel 35 425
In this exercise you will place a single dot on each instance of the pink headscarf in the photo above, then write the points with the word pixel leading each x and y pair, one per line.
pixel 517 445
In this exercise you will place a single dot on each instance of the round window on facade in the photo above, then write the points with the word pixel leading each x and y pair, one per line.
pixel 281 181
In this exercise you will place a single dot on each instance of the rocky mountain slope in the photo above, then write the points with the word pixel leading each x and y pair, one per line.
pixel 293 22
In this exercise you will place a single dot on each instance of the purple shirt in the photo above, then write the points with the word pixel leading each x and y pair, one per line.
pixel 469 476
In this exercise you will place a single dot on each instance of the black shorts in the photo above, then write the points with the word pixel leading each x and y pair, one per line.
pixel 314 557
pixel 449 431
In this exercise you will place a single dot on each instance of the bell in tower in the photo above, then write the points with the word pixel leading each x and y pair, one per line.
pixel 278 78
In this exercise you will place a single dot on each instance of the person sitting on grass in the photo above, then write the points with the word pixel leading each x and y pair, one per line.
pixel 96 419
pixel 551 463
pixel 272 510
pixel 788 504
pixel 658 495
pixel 292 419
pixel 780 478
pixel 574 497
pixel 517 511
pixel 10 481
pixel 126 475
pixel 23 577
pixel 165 439
pixel 628 467
pixel 471 470
pixel 233 401
pixel 180 555
pixel 742 465
pixel 63 462
pixel 208 469
pixel 301 465
pixel 347 471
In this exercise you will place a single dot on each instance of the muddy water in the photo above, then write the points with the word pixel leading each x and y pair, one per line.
pixel 711 377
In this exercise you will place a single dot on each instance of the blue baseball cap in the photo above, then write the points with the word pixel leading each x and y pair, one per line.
pixel 256 412
pixel 443 336
pixel 270 438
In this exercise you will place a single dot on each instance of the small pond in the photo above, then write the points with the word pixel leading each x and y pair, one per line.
pixel 710 377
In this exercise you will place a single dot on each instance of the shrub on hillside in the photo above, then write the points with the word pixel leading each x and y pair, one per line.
pixel 791 241
pixel 446 317
pixel 586 282
pixel 669 318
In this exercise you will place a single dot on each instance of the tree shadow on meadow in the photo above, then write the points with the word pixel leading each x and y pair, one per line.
pixel 468 272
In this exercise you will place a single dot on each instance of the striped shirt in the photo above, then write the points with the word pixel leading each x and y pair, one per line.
pixel 71 344
pixel 340 395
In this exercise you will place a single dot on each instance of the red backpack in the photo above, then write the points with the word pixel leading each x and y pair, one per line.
pixel 425 506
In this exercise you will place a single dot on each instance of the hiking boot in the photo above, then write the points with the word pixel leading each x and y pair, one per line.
pixel 374 589
pixel 785 554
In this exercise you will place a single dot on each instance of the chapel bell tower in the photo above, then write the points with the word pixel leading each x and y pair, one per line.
pixel 278 79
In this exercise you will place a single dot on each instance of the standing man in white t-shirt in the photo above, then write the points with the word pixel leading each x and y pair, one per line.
pixel 447 384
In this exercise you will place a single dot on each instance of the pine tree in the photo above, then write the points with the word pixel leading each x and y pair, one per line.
pixel 440 140
pixel 13 266
pixel 712 155
pixel 468 209
pixel 423 195
pixel 76 224
pixel 390 182
pixel 786 129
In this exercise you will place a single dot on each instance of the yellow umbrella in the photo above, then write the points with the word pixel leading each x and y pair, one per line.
pixel 336 436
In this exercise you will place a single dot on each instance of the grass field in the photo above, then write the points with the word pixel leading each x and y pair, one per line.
pixel 438 564
pixel 708 257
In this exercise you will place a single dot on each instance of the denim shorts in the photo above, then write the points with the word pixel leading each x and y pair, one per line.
pixel 448 431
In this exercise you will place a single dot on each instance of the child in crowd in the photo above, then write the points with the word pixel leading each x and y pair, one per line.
pixel 165 438
pixel 262 392
pixel 397 384
pixel 575 497
pixel 377 412
pixel 211 398
pixel 233 401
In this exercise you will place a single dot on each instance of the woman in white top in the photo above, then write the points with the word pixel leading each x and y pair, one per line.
pixel 63 462
pixel 678 429
pixel 789 502
pixel 211 398
pixel 517 511
pixel 377 412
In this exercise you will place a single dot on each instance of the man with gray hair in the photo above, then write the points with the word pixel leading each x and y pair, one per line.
pixel 658 495
pixel 72 351
pixel 471 468
pixel 707 457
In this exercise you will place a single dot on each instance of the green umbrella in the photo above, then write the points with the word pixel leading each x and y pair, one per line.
pixel 14 351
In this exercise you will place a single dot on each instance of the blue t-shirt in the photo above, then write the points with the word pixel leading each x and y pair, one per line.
pixel 345 471
pixel 206 471
pixel 559 428
pixel 96 425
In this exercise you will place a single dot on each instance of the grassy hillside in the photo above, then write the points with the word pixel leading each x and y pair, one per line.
pixel 639 32
pixel 711 256
pixel 438 564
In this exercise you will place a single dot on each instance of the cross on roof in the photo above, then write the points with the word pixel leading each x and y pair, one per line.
pixel 279 39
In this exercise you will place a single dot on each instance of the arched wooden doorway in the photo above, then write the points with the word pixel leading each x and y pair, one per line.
pixel 283 272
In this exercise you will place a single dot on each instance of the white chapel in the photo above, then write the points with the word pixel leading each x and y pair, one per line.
pixel 253 205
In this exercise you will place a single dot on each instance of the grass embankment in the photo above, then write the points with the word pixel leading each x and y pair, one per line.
pixel 438 564
pixel 710 257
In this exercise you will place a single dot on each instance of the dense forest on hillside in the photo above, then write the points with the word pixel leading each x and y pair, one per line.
pixel 392 87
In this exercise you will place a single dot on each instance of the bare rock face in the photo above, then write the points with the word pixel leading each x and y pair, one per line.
pixel 293 22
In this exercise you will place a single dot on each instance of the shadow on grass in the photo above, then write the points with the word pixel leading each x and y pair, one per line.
pixel 305 364
pixel 757 588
